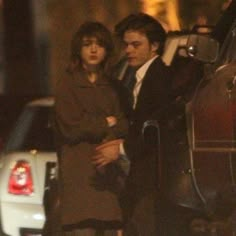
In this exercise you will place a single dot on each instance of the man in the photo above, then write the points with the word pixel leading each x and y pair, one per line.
pixel 143 39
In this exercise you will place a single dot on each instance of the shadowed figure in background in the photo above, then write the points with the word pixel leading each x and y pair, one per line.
pixel 225 22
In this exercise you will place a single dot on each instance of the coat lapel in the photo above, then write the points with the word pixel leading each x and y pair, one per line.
pixel 151 74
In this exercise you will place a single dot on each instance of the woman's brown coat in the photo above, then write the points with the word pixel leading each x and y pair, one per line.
pixel 80 114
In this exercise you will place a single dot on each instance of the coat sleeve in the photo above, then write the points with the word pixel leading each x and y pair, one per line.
pixel 120 130
pixel 74 122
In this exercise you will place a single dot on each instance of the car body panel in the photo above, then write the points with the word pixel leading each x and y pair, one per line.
pixel 23 215
pixel 204 168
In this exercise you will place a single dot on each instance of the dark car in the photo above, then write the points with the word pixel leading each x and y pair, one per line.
pixel 201 168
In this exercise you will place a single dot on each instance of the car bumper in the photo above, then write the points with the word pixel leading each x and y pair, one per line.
pixel 18 219
pixel 30 232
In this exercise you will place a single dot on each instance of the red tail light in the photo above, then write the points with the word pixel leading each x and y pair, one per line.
pixel 20 181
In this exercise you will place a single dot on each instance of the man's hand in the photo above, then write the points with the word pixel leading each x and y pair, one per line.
pixel 107 153
pixel 111 121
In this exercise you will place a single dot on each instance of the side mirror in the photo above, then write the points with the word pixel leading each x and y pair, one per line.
pixel 202 48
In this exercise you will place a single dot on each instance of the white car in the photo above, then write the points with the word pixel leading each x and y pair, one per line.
pixel 27 162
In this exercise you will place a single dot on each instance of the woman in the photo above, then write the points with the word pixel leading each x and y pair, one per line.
pixel 87 113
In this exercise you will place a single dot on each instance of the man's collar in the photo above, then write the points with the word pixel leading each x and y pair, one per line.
pixel 141 72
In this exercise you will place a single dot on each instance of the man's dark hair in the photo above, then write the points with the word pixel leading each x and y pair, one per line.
pixel 144 24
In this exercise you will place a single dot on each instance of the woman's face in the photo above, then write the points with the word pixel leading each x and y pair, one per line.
pixel 92 52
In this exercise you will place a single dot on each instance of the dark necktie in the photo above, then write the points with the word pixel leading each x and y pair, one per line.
pixel 132 82
pixel 129 83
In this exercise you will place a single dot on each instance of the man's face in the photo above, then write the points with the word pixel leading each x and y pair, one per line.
pixel 138 49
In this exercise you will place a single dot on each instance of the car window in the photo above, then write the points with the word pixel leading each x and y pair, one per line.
pixel 228 52
pixel 33 130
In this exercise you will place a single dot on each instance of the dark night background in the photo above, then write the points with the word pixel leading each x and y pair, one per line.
pixel 35 34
